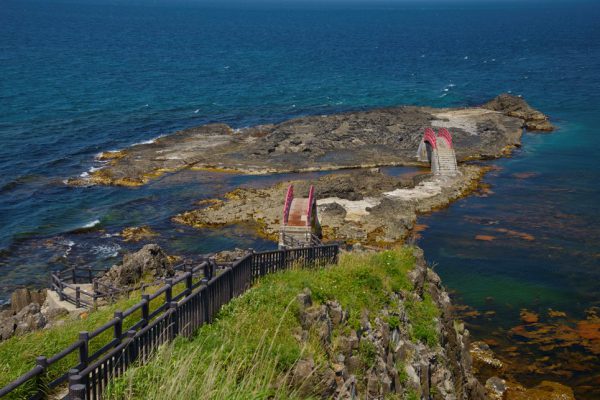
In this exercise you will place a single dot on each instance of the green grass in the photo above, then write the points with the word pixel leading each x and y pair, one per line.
pixel 249 351
pixel 18 354
pixel 422 315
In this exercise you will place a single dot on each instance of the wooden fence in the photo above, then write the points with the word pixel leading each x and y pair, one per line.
pixel 179 313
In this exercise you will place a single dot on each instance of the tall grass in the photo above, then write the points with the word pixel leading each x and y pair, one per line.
pixel 252 347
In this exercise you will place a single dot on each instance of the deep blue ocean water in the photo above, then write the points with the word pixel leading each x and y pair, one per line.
pixel 79 78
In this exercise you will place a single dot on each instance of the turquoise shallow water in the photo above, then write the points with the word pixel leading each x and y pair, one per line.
pixel 80 78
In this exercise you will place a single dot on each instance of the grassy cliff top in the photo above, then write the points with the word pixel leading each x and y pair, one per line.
pixel 254 346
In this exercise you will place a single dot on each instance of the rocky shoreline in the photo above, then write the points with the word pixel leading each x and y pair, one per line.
pixel 360 139
pixel 357 206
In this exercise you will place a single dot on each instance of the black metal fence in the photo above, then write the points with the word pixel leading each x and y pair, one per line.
pixel 179 313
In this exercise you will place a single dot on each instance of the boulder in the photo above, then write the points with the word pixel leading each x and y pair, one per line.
pixel 149 262
pixel 28 319
pixel 22 297
pixel 228 256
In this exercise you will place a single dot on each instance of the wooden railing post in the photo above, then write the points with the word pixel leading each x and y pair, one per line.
pixel 41 378
pixel 84 348
pixel 119 325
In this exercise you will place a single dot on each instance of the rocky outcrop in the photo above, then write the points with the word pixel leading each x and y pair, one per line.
pixel 28 312
pixel 378 359
pixel 359 206
pixel 229 256
pixel 369 138
pixel 515 106
pixel 149 262
pixel 23 297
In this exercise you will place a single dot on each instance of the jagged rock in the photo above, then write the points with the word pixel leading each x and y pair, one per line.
pixel 22 297
pixel 7 324
pixel 482 354
pixel 228 256
pixel 304 299
pixel 335 312
pixel 515 106
pixel 316 318
pixel 150 261
pixel 373 382
pixel 29 319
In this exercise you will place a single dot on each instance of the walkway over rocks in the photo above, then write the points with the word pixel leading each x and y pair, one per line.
pixel 300 223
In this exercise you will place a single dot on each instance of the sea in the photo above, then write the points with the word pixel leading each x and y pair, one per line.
pixel 78 78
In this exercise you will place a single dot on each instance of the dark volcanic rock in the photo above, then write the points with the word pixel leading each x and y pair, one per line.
pixel 370 138
pixel 150 261
pixel 515 106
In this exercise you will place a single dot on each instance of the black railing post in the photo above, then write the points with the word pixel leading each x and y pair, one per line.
pixel 205 301
pixel 95 291
pixel 84 348
pixel 174 318
pixel 76 387
pixel 133 350
pixel 145 309
pixel 188 283
pixel 41 378
pixel 230 272
pixel 169 291
pixel 119 325
pixel 74 275
pixel 77 297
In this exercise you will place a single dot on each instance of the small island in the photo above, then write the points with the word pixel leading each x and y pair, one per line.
pixel 360 139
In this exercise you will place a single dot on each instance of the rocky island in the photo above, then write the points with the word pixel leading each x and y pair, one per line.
pixel 359 139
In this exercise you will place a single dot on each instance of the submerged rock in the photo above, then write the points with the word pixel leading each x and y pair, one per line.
pixel 544 391
pixel 137 233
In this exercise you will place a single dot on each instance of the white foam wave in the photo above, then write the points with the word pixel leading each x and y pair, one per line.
pixel 106 250
pixel 149 141
pixel 91 224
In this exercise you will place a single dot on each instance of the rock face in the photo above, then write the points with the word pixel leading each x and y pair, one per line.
pixel 378 360
pixel 21 319
pixel 370 138
pixel 515 106
pixel 150 261
pixel 361 206
pixel 21 298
